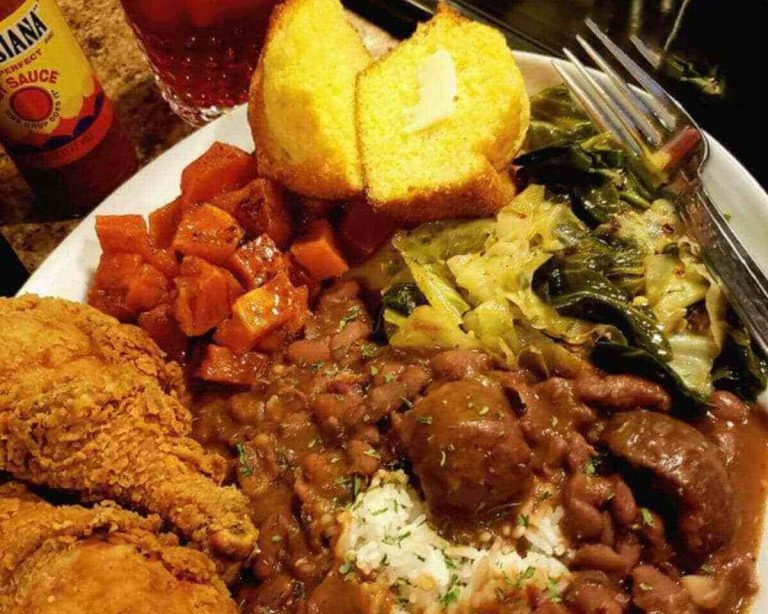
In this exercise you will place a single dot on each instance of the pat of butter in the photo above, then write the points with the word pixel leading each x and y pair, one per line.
pixel 438 90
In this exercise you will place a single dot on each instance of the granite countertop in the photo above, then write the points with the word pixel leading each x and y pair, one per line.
pixel 110 44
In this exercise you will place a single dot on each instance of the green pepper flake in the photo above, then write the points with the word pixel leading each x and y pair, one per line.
pixel 647 517
pixel 276 539
pixel 424 419
pixel 372 453
pixel 523 520
pixel 352 314
pixel 378 512
pixel 645 587
pixel 484 410
pixel 246 469
pixel 368 350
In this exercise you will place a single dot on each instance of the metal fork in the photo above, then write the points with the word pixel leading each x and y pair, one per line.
pixel 664 138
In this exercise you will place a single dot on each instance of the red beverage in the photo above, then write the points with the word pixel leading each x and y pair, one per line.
pixel 203 52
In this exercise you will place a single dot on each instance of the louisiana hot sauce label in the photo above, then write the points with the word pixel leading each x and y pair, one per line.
pixel 53 110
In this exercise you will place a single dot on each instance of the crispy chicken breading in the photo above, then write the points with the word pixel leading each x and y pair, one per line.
pixel 93 407
pixel 78 560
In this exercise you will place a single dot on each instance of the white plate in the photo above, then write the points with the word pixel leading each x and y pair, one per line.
pixel 68 270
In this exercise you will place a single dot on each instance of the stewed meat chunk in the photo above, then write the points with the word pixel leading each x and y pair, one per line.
pixel 686 466
pixel 466 447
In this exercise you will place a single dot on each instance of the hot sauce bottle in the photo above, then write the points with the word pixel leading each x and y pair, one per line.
pixel 56 122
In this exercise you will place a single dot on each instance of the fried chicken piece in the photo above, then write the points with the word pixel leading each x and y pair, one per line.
pixel 47 334
pixel 105 559
pixel 102 423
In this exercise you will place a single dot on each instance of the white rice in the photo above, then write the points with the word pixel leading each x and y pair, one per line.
pixel 387 537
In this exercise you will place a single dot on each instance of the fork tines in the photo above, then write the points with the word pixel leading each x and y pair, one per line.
pixel 641 122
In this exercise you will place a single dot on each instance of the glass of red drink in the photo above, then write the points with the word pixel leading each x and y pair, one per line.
pixel 203 52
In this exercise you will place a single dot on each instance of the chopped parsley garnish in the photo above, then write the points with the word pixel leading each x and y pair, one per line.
pixel 357 484
pixel 316 366
pixel 389 378
pixel 522 520
pixel 647 517
pixel 591 467
pixel 552 591
pixel 374 370
pixel 352 314
pixel 368 350
pixel 276 539
pixel 452 593
pixel 245 466
pixel 372 453
pixel 378 512
pixel 424 419
pixel 449 562
pixel 345 568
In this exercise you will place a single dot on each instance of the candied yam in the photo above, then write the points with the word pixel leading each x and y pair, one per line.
pixel 205 294
pixel 256 261
pixel 165 261
pixel 122 234
pixel 110 284
pixel 362 231
pixel 257 313
pixel 208 232
pixel 293 326
pixel 318 252
pixel 221 169
pixel 163 223
pixel 147 288
pixel 222 366
pixel 160 324
pixel 260 208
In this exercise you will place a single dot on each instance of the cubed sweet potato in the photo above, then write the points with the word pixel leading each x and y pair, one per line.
pixel 222 366
pixel 256 261
pixel 147 288
pixel 111 282
pixel 362 231
pixel 208 232
pixel 160 324
pixel 318 252
pixel 165 261
pixel 163 223
pixel 280 337
pixel 256 314
pixel 221 169
pixel 260 208
pixel 123 234
pixel 205 294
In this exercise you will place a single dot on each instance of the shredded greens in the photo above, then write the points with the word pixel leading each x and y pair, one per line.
pixel 588 256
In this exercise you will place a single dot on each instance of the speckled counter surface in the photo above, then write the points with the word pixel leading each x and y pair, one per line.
pixel 109 43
